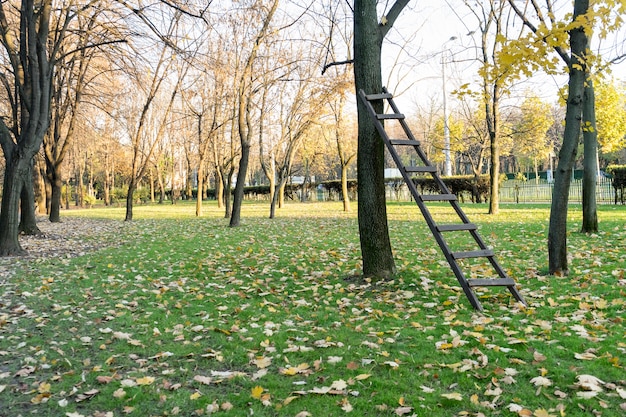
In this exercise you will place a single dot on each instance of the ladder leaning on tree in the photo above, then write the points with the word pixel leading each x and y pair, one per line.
pixel 438 230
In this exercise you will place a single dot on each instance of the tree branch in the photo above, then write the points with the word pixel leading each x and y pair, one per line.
pixel 388 21
pixel 332 64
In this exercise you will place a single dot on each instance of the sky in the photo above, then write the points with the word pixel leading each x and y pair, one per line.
pixel 423 35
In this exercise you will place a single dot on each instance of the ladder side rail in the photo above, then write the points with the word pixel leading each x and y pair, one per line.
pixel 454 265
pixel 456 269
pixel 437 178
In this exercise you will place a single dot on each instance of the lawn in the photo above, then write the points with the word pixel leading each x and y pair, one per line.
pixel 176 315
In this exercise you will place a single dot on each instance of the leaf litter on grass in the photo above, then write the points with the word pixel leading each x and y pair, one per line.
pixel 192 317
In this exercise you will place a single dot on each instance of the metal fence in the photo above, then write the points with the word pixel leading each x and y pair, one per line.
pixel 516 191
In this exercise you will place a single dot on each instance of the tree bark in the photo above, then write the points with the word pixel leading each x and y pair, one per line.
pixel 557 232
pixel 590 173
pixel 14 178
pixel 28 220
pixel 129 200
pixel 235 216
pixel 376 251
pixel 344 188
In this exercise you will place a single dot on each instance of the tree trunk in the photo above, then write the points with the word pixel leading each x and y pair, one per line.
pixel 41 196
pixel 129 200
pixel 281 193
pixel 275 197
pixel 55 200
pixel 68 190
pixel 227 193
pixel 494 175
pixel 235 216
pixel 344 188
pixel 372 211
pixel 15 175
pixel 219 189
pixel 200 187
pixel 557 232
pixel 28 220
pixel 590 173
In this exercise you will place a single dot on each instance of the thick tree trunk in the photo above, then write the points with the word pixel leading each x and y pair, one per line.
pixel 55 201
pixel 28 220
pixel 372 211
pixel 39 183
pixel 557 232
pixel 56 184
pixel 235 216
pixel 14 178
pixel 590 173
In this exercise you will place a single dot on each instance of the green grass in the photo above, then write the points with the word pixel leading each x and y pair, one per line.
pixel 268 319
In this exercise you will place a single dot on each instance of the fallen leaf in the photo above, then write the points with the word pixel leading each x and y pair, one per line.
pixel 453 396
pixel 203 379
pixel 146 380
pixel 256 392
pixel 400 411
pixel 540 381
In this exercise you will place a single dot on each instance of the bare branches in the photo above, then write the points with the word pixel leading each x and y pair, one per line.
pixel 332 64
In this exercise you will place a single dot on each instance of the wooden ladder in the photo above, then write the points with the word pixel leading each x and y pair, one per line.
pixel 438 230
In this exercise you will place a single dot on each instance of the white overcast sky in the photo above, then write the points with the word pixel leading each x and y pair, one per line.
pixel 423 32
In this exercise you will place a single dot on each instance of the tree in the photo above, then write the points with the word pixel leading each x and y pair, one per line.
pixel 31 53
pixel 611 116
pixel 301 106
pixel 557 236
pixel 495 79
pixel 144 140
pixel 530 131
pixel 369 34
pixel 70 81
pixel 530 51
pixel 244 101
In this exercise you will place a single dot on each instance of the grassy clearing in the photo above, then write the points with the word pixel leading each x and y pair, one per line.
pixel 187 316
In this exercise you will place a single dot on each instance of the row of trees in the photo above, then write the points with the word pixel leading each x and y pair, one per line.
pixel 125 92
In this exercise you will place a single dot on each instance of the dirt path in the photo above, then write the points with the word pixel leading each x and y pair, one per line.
pixel 70 238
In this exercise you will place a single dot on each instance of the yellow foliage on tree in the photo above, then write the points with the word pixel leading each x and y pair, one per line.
pixel 611 116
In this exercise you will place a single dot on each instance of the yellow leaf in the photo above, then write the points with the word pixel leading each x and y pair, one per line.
pixel 195 396
pixel 146 380
pixel 256 392
pixel 542 413
pixel 361 377
pixel 288 371
pixel 262 362
pixel 453 396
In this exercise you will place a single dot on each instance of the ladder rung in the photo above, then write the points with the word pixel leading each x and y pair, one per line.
pixel 491 282
pixel 424 168
pixel 473 254
pixel 390 116
pixel 404 142
pixel 381 96
pixel 456 227
pixel 438 197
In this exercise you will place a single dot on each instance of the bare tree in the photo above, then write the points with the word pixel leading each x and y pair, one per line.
pixel 31 34
pixel 244 96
